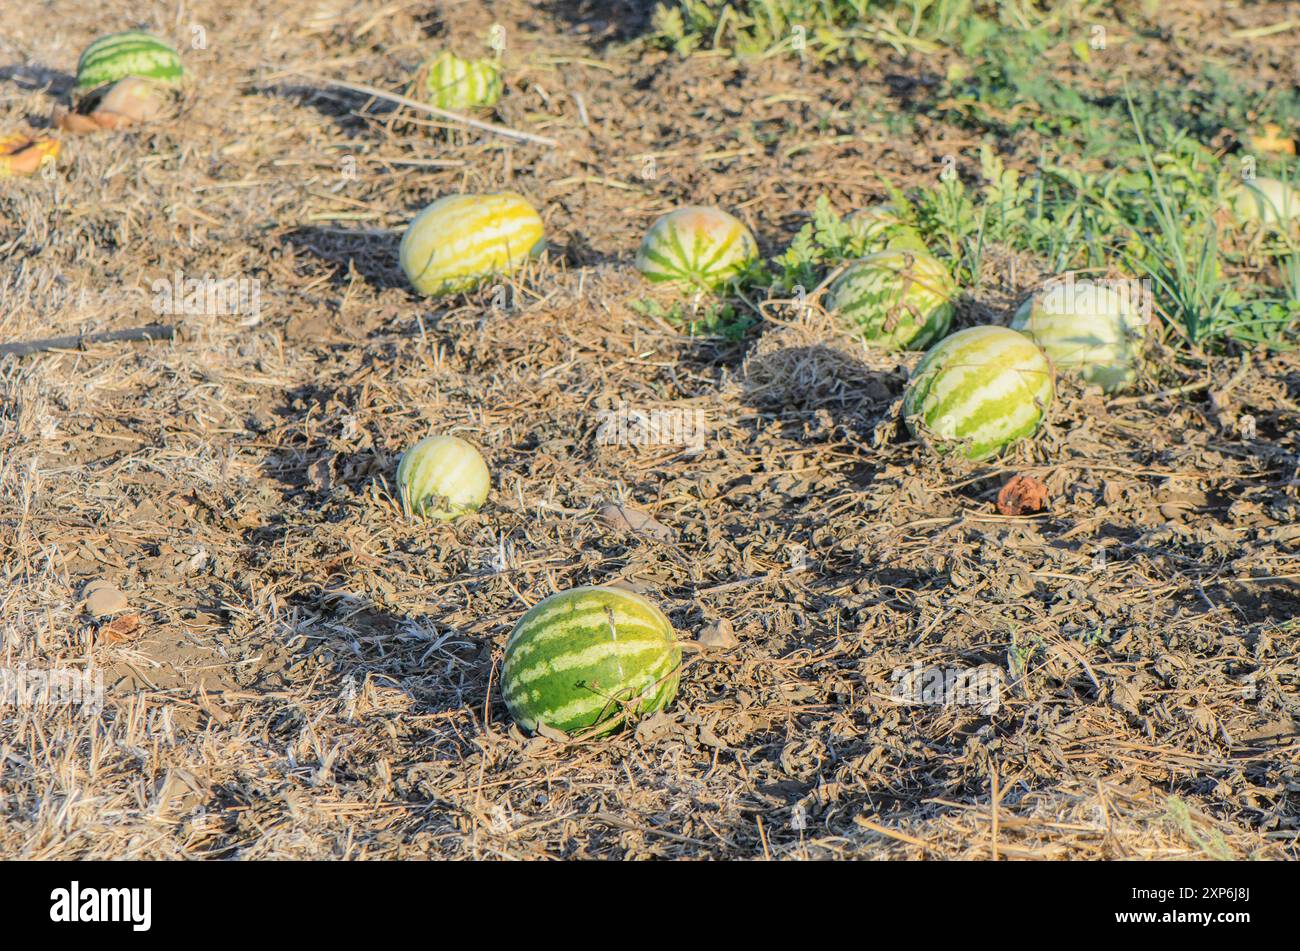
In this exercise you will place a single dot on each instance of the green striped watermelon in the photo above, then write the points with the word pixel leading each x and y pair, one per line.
pixel 1268 200
pixel 898 299
pixel 120 55
pixel 978 391
pixel 878 227
pixel 1095 329
pixel 462 240
pixel 449 82
pixel 590 656
pixel 442 477
pixel 705 247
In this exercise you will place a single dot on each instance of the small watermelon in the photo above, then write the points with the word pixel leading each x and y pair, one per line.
pixel 442 477
pixel 462 240
pixel 879 227
pixel 588 655
pixel 705 247
pixel 120 55
pixel 978 391
pixel 449 82
pixel 897 299
pixel 1092 328
pixel 1268 200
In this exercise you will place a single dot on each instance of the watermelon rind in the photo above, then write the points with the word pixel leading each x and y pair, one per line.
pixel 696 245
pixel 897 299
pixel 460 241
pixel 978 391
pixel 878 228
pixel 1270 201
pixel 132 53
pixel 450 82
pixel 587 659
pixel 442 477
pixel 1095 330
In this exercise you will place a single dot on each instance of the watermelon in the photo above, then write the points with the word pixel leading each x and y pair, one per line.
pixel 462 240
pixel 449 82
pixel 1267 200
pixel 590 656
pixel 1094 329
pixel 897 299
pixel 442 477
pixel 878 227
pixel 978 391
pixel 705 247
pixel 120 55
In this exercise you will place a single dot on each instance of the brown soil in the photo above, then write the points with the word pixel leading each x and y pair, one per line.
pixel 310 674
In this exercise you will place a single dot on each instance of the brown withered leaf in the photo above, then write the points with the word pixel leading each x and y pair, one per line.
pixel 719 634
pixel 626 519
pixel 1022 495
pixel 121 629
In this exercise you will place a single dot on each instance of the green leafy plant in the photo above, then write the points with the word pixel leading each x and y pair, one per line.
pixel 702 318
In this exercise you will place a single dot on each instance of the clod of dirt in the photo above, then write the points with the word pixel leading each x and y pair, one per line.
pixel 1022 495
pixel 718 635
pixel 624 519
pixel 103 598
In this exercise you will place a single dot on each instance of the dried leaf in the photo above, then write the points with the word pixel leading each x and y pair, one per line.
pixel 1022 495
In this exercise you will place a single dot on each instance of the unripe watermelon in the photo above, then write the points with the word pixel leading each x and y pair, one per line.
pixel 449 82
pixel 897 299
pixel 1091 328
pixel 462 240
pixel 442 477
pixel 695 245
pixel 978 391
pixel 1265 199
pixel 119 55
pixel 879 227
pixel 583 656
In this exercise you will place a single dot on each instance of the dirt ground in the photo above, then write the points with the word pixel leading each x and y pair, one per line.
pixel 313 675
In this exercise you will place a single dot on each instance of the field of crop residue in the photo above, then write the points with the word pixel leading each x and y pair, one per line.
pixel 878 662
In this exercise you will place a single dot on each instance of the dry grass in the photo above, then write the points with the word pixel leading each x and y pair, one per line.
pixel 315 674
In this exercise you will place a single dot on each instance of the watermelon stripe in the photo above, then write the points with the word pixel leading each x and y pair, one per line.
pixel 462 240
pixel 575 658
pixel 982 389
pixel 120 55
pixel 705 247
pixel 898 298
pixel 454 83
pixel 586 658
pixel 595 622
pixel 1087 328
pixel 442 477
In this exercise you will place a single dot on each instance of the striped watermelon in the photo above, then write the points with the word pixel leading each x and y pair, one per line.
pixel 1265 199
pixel 1095 329
pixel 702 246
pixel 442 477
pixel 878 227
pixel 449 82
pixel 462 240
pixel 898 299
pixel 978 391
pixel 115 57
pixel 584 656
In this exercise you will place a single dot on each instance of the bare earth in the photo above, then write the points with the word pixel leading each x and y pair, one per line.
pixel 309 674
